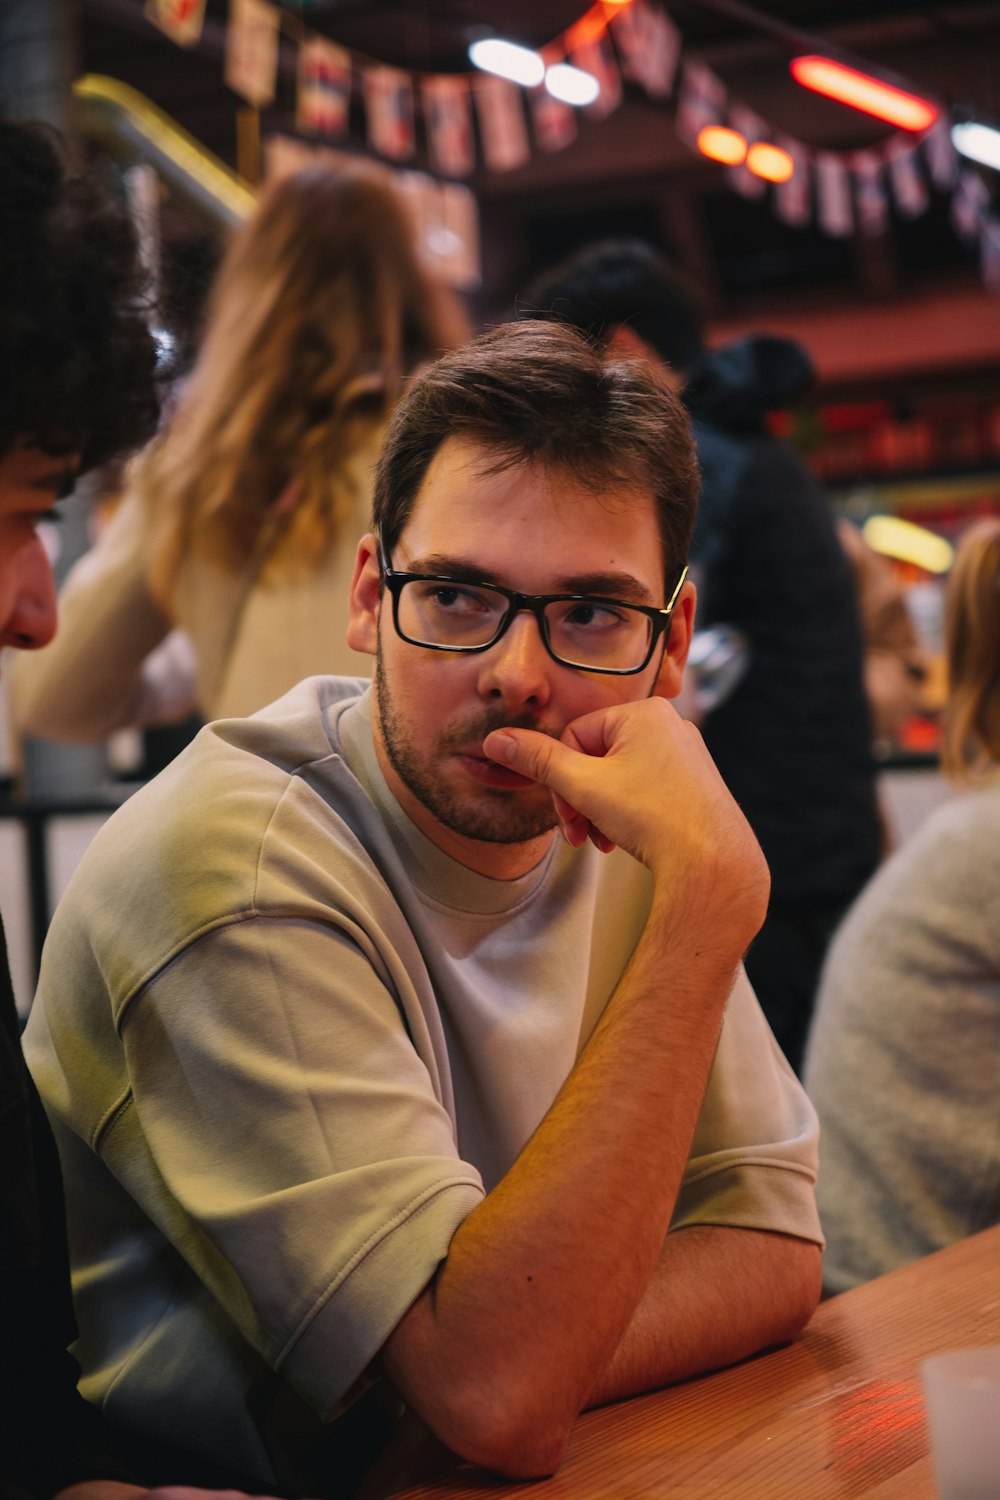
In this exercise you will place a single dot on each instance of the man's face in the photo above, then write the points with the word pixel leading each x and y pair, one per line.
pixel 540 532
pixel 30 483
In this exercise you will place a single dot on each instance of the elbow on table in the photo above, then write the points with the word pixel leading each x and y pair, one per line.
pixel 511 1433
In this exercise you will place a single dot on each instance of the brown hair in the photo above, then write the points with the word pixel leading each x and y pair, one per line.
pixel 319 311
pixel 972 626
pixel 542 393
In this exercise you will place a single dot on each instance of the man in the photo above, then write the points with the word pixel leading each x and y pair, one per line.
pixel 792 738
pixel 374 1090
pixel 77 368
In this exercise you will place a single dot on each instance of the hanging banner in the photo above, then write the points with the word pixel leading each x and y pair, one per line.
pixel 324 95
pixel 834 210
pixel 501 123
pixel 649 45
pixel 445 227
pixel 389 106
pixel 702 101
pixel 597 57
pixel 793 199
pixel 752 128
pixel 181 20
pixel 448 121
pixel 990 254
pixel 554 121
pixel 251 67
pixel 942 158
pixel 908 186
pixel 869 193
pixel 969 204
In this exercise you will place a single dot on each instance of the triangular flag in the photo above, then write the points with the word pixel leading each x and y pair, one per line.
pixel 942 158
pixel 989 246
pixel 969 203
pixel 869 192
pixel 389 105
pixel 555 122
pixel 501 123
pixel 649 45
pixel 181 20
pixel 908 186
pixel 448 120
pixel 251 68
pixel 793 199
pixel 597 57
pixel 752 128
pixel 324 101
pixel 701 102
pixel 833 195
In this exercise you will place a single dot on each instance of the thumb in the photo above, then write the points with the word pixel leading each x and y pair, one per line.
pixel 535 755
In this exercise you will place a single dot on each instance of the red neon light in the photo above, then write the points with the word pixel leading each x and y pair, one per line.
pixel 859 91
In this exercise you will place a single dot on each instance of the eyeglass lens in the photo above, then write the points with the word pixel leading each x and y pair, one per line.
pixel 584 633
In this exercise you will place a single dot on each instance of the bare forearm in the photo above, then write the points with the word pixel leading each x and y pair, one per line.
pixel 717 1296
pixel 578 1223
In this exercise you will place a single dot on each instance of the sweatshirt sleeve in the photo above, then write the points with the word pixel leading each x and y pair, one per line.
pixel 92 679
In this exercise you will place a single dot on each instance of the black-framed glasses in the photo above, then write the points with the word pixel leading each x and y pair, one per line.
pixel 586 631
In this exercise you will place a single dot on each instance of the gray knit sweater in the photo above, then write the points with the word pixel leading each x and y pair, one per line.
pixel 904 1056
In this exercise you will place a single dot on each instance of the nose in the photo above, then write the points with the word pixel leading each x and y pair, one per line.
pixel 517 671
pixel 31 622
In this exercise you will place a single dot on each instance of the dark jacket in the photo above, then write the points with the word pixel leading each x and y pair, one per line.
pixel 793 741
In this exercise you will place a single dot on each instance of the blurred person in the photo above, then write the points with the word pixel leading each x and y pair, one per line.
pixel 896 665
pixel 791 734
pixel 373 1091
pixel 77 386
pixel 239 523
pixel 904 1055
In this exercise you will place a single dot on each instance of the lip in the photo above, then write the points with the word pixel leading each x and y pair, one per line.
pixel 491 773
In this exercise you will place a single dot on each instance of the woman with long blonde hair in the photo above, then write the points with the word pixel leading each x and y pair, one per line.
pixel 904 1055
pixel 240 520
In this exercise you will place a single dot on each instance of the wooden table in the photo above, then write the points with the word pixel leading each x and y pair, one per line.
pixel 834 1416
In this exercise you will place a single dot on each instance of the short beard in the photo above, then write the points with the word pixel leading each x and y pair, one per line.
pixel 492 816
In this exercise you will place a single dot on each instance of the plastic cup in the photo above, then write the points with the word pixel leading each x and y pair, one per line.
pixel 962 1396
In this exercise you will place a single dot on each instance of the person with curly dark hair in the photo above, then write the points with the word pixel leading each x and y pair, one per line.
pixel 77 387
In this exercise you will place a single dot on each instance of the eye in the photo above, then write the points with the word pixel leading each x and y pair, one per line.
pixel 453 598
pixel 588 614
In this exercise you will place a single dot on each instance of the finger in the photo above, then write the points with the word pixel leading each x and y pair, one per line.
pixel 574 826
pixel 536 756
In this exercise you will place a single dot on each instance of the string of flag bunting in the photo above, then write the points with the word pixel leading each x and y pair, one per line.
pixel 617 43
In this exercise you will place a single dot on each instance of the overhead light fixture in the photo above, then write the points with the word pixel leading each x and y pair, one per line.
pixel 571 85
pixel 978 142
pixel 770 162
pixel 904 540
pixel 507 60
pixel 719 143
pixel 872 96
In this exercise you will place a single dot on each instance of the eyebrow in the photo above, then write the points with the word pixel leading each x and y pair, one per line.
pixel 606 585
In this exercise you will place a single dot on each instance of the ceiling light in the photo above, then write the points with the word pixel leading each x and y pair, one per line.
pixel 770 162
pixel 860 91
pixel 571 85
pixel 722 144
pixel 978 142
pixel 894 537
pixel 507 60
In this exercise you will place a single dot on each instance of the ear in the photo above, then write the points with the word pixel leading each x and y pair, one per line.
pixel 362 625
pixel 670 678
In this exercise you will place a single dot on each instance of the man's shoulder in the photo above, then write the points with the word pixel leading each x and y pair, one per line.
pixel 247 821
